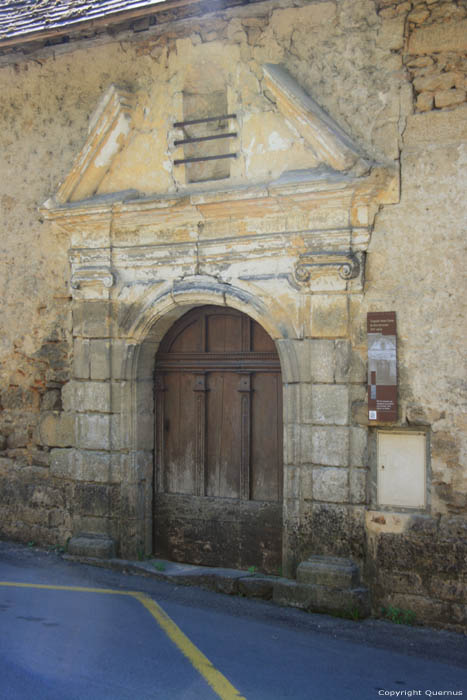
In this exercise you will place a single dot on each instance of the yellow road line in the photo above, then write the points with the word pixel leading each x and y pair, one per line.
pixel 219 683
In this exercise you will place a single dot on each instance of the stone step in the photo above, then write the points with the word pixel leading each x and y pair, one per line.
pixel 353 603
pixel 334 572
pixel 90 545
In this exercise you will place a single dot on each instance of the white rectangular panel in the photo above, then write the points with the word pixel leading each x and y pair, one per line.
pixel 402 469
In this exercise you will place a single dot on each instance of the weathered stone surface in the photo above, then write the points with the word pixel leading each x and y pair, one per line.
pixel 86 396
pixel 329 316
pixel 256 587
pixel 87 545
pixel 93 431
pixel 86 465
pixel 358 485
pixel 436 127
pixel 331 484
pixel 100 359
pixel 449 98
pixel 328 571
pixel 57 429
pixel 329 404
pixel 329 446
pixel 97 500
pixel 353 602
pixel 450 36
pixel 322 357
pixel 91 319
pixel 81 358
pixel 358 447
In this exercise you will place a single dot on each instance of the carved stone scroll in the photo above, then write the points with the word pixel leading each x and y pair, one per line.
pixel 346 263
pixel 93 275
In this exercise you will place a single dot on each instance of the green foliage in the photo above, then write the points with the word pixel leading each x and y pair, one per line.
pixel 159 565
pixel 252 569
pixel 398 615
pixel 349 614
pixel 31 544
pixel 57 548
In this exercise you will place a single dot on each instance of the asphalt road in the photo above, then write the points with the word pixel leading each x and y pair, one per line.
pixel 170 642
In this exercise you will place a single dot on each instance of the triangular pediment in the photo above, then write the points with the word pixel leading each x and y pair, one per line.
pixel 124 152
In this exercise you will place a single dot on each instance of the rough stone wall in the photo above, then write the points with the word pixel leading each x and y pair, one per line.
pixel 392 74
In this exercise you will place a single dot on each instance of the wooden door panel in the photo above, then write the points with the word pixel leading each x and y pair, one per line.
pixel 179 433
pixel 224 333
pixel 266 438
pixel 223 446
pixel 190 338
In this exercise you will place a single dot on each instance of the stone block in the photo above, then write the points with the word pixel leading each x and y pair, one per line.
pixel 435 81
pixel 87 545
pixel 118 359
pixel 100 359
pixel 86 396
pixel 424 102
pixel 335 572
pixel 256 587
pixel 330 404
pixel 351 602
pixel 329 316
pixel 291 481
pixel 51 401
pixel 305 444
pixel 101 467
pixel 57 429
pixel 454 527
pixel 434 38
pixel 306 479
pixel 291 394
pixel 449 98
pixel 322 356
pixel 330 446
pixel 448 589
pixel 295 358
pixel 358 447
pixel 81 358
pixel 343 352
pixel 357 482
pixel 97 500
pixel 93 431
pixel 62 463
pixel 436 127
pixel 331 484
pixel 292 435
pixel 91 319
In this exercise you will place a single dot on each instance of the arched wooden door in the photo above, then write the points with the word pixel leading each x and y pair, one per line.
pixel 218 499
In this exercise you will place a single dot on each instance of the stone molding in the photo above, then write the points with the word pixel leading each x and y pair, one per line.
pixel 330 143
pixel 108 128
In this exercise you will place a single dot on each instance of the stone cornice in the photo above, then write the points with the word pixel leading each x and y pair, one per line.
pixel 310 190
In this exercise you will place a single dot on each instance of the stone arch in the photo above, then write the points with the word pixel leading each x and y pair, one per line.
pixel 143 327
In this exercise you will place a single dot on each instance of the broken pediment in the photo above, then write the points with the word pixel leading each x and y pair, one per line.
pixel 146 143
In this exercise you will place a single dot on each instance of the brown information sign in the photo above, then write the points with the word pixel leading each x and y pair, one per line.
pixel 382 366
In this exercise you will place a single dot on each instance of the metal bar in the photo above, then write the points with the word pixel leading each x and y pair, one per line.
pixel 206 138
pixel 178 125
pixel 198 160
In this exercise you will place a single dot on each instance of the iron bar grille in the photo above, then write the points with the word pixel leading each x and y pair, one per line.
pixel 190 140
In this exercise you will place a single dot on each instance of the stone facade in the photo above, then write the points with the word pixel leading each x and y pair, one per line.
pixel 322 217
